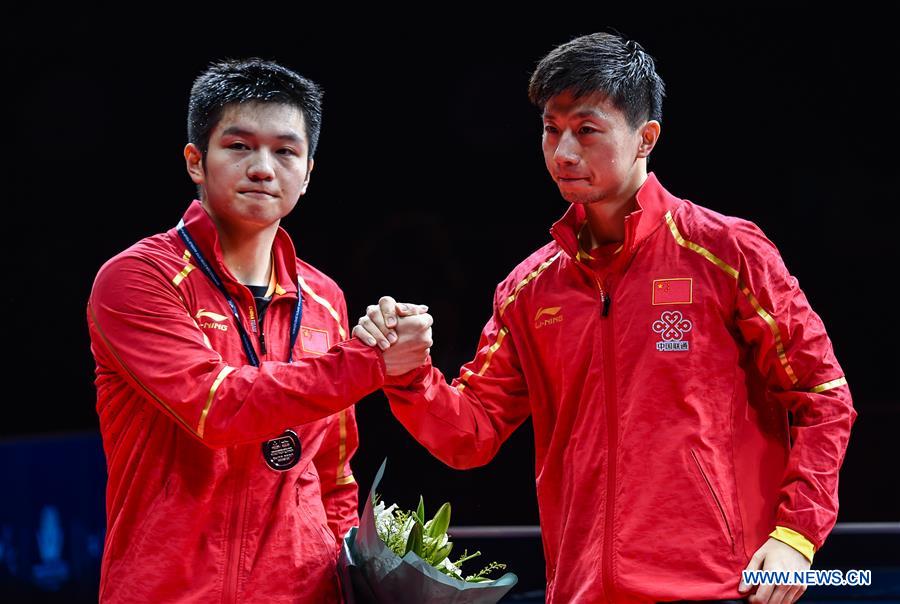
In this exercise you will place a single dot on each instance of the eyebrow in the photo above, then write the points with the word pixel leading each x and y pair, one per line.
pixel 237 131
pixel 582 114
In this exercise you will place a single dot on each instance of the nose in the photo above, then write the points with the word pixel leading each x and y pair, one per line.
pixel 261 166
pixel 566 150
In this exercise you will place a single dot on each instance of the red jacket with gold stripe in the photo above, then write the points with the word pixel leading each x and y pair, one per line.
pixel 194 513
pixel 661 383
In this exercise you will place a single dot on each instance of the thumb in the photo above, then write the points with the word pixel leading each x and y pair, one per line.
pixel 407 310
pixel 756 563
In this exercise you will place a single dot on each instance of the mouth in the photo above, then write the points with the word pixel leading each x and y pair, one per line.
pixel 571 180
pixel 257 194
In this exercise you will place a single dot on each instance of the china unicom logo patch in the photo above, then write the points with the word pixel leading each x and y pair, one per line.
pixel 672 327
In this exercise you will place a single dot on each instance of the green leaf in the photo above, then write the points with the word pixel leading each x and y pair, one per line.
pixel 420 511
pixel 440 522
pixel 441 553
pixel 414 542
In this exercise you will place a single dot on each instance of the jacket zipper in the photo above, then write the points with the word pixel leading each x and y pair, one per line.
pixel 235 534
pixel 263 350
pixel 609 384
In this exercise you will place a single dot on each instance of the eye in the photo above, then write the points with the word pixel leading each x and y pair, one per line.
pixel 286 151
pixel 550 129
pixel 238 146
pixel 587 130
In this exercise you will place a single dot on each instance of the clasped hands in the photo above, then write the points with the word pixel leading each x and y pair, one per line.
pixel 402 331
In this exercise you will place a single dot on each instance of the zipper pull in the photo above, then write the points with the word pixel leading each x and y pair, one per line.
pixel 262 342
pixel 605 299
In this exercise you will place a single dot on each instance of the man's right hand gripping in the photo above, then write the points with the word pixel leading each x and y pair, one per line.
pixel 402 331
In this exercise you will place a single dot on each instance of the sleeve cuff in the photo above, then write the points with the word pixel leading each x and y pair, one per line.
pixel 795 540
pixel 408 380
pixel 371 352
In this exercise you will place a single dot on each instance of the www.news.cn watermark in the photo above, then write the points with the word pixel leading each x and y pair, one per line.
pixel 807 577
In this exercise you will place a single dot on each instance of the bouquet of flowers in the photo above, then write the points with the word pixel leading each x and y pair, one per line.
pixel 396 556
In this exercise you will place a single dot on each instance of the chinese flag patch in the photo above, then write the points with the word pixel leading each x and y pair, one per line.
pixel 673 291
pixel 314 340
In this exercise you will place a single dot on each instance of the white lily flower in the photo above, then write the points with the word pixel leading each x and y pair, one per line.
pixel 445 563
pixel 384 518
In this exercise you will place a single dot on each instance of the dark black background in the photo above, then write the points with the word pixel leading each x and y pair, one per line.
pixel 429 186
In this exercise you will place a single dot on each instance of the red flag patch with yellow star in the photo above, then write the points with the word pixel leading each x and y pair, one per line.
pixel 673 291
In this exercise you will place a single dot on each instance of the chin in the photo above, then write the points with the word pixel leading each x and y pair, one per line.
pixel 580 198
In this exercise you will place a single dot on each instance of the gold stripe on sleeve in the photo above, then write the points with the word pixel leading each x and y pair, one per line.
pixel 324 303
pixel 177 279
pixel 487 361
pixel 829 385
pixel 342 451
pixel 209 399
pixel 733 273
pixel 503 331
pixel 699 249
pixel 530 277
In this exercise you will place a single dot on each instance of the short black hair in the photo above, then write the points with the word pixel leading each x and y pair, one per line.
pixel 235 81
pixel 602 62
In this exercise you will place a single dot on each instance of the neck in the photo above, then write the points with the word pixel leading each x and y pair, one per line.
pixel 606 218
pixel 248 254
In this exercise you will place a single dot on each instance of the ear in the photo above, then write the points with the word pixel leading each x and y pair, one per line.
pixel 649 134
pixel 193 160
pixel 309 169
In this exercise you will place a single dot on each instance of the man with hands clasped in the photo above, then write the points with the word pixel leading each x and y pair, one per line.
pixel 690 416
pixel 226 381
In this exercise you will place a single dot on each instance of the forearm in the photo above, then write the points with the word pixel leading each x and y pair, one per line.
pixel 820 432
pixel 223 405
pixel 251 403
pixel 451 421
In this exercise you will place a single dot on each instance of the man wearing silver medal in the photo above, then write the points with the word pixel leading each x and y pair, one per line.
pixel 225 377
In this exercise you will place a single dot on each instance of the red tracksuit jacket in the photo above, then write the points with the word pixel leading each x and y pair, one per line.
pixel 194 513
pixel 660 384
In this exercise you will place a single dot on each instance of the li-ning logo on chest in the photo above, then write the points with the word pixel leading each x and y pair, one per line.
pixel 548 316
pixel 215 323
pixel 672 327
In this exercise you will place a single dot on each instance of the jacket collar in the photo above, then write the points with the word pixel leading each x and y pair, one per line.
pixel 653 202
pixel 203 231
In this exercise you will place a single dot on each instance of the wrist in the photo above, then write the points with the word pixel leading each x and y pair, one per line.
pixel 410 378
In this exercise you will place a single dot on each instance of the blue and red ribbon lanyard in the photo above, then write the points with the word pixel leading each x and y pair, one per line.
pixel 245 338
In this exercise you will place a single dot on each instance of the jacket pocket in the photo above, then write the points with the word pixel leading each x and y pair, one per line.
pixel 307 516
pixel 717 508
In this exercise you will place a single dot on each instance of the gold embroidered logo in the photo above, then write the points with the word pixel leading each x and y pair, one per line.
pixel 203 313
pixel 547 316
